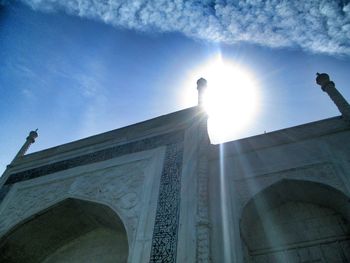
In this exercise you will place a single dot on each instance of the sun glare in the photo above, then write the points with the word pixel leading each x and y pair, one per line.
pixel 231 99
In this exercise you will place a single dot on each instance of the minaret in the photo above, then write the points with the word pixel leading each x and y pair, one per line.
pixel 201 87
pixel 328 86
pixel 30 139
pixel 203 226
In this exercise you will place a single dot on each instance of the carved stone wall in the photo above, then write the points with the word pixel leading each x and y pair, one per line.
pixel 146 190
pixel 321 161
pixel 128 185
pixel 123 187
pixel 120 187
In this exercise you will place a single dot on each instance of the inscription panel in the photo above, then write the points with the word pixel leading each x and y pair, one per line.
pixel 102 155
pixel 164 241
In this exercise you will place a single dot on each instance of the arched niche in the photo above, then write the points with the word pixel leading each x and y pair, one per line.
pixel 70 231
pixel 296 221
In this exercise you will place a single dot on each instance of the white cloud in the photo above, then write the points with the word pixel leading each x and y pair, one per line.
pixel 315 25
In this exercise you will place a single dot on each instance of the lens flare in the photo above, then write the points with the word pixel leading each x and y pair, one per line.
pixel 231 99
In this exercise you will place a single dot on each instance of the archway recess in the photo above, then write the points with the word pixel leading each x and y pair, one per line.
pixel 70 231
pixel 297 221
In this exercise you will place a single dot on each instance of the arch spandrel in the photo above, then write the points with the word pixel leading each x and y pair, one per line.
pixel 321 173
pixel 119 187
pixel 285 190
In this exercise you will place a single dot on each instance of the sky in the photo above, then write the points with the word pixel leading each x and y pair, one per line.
pixel 74 69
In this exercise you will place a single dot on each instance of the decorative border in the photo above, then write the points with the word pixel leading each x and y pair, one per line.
pixel 102 155
pixel 164 240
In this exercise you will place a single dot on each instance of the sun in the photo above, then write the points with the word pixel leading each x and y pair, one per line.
pixel 231 99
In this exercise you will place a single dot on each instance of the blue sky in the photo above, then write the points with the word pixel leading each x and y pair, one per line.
pixel 77 70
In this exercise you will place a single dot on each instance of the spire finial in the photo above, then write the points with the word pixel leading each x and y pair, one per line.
pixel 32 136
pixel 29 140
pixel 328 86
pixel 201 87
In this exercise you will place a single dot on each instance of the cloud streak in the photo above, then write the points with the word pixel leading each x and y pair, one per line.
pixel 314 25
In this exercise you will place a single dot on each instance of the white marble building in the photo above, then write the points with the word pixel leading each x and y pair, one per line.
pixel 158 191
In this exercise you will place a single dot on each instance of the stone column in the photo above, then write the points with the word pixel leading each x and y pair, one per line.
pixel 328 86
pixel 203 222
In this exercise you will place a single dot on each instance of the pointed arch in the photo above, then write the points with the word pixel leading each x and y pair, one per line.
pixel 72 230
pixel 294 215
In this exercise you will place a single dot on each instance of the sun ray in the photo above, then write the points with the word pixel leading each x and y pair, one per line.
pixel 231 99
